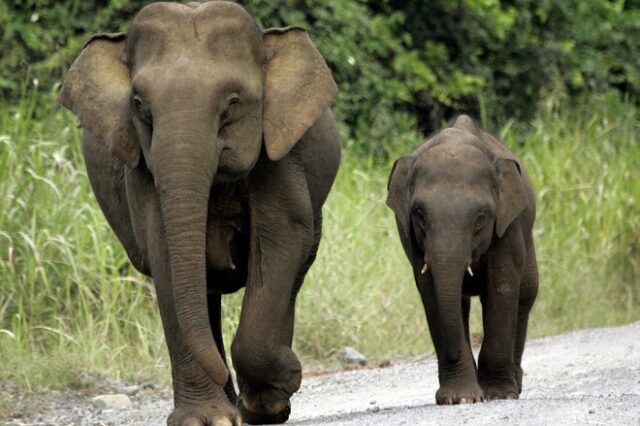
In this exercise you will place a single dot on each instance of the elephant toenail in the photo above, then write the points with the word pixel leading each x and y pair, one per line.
pixel 250 405
pixel 192 421
pixel 275 407
pixel 222 421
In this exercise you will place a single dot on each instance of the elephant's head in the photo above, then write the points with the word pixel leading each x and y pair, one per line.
pixel 452 197
pixel 191 93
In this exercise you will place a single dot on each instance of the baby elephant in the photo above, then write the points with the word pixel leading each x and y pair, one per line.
pixel 465 210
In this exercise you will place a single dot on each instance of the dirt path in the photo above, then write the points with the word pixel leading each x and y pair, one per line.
pixel 587 377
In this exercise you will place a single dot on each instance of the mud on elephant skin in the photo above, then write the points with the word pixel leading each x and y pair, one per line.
pixel 210 147
pixel 465 209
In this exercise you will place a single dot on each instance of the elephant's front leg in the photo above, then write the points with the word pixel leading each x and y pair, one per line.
pixel 282 240
pixel 267 369
pixel 500 317
pixel 456 366
pixel 197 400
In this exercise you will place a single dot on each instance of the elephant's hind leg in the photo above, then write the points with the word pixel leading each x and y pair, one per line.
pixel 528 293
pixel 214 303
pixel 466 308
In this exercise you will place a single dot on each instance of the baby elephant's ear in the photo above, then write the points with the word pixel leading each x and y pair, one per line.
pixel 97 89
pixel 511 194
pixel 398 192
pixel 298 88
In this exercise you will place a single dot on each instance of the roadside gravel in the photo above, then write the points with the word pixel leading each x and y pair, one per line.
pixel 586 377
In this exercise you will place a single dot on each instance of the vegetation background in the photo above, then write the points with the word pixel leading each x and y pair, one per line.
pixel 558 80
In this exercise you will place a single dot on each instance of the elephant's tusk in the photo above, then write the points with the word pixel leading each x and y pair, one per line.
pixel 424 269
pixel 469 270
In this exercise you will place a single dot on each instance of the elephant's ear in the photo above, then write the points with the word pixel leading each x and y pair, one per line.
pixel 97 89
pixel 511 193
pixel 398 192
pixel 298 88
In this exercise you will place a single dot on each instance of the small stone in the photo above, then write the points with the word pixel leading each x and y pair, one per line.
pixel 375 409
pixel 115 401
pixel 350 356
pixel 592 411
pixel 372 402
pixel 131 390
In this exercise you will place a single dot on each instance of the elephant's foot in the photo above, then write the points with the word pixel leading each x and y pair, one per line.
pixel 266 384
pixel 499 388
pixel 254 411
pixel 469 393
pixel 267 404
pixel 517 373
pixel 205 413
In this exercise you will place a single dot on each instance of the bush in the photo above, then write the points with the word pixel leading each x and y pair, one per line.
pixel 492 58
pixel 40 38
pixel 497 58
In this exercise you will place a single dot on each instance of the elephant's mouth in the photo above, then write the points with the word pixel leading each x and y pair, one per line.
pixel 227 239
pixel 223 253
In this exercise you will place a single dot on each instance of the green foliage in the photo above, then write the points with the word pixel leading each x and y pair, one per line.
pixel 69 302
pixel 508 53
pixel 392 59
pixel 40 38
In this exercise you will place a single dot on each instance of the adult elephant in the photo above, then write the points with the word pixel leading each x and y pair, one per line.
pixel 211 149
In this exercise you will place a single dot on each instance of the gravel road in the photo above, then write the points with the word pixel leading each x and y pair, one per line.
pixel 586 377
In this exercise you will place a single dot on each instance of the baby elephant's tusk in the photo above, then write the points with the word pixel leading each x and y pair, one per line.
pixel 424 269
pixel 469 270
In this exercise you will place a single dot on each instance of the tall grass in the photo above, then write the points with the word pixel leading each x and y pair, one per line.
pixel 65 303
pixel 585 165
pixel 69 302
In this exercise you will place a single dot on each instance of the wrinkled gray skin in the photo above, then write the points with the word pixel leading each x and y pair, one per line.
pixel 211 149
pixel 463 202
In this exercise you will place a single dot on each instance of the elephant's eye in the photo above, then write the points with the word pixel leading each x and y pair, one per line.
pixel 141 110
pixel 233 103
pixel 480 221
pixel 226 117
pixel 419 217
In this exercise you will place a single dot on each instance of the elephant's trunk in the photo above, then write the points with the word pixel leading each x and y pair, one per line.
pixel 185 163
pixel 447 266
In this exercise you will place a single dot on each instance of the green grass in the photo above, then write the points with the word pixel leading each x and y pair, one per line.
pixel 585 166
pixel 69 302
pixel 65 305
